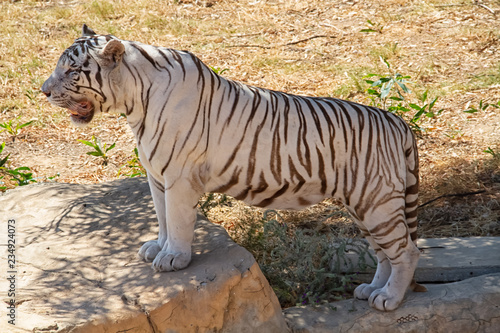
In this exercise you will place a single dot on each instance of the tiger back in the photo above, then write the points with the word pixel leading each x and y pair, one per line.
pixel 198 132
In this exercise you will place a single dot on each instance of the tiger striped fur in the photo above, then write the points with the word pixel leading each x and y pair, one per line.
pixel 198 132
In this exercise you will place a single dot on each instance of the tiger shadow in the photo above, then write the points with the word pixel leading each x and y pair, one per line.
pixel 88 248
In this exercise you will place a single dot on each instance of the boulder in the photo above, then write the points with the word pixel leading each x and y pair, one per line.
pixel 77 268
pixel 472 305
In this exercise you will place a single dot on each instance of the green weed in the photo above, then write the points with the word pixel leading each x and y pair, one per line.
pixel 218 70
pixel 481 107
pixel 493 153
pixel 3 161
pixel 373 27
pixel 14 128
pixel 22 175
pixel 99 149
pixel 133 167
pixel 391 92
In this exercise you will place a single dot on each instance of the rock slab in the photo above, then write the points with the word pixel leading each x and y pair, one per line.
pixel 472 305
pixel 447 259
pixel 77 268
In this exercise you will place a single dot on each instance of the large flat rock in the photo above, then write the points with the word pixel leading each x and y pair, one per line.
pixel 77 269
pixel 468 306
pixel 448 259
pixel 455 259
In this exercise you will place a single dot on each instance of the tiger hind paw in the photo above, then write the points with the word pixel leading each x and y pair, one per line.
pixel 363 291
pixel 383 301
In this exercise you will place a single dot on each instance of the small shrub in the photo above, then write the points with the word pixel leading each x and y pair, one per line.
pixel 390 92
pixel 4 160
pixel 303 266
pixel 99 149
pixel 14 128
pixel 22 175
pixel 481 107
pixel 133 167
pixel 373 27
pixel 218 70
pixel 19 177
pixel 492 152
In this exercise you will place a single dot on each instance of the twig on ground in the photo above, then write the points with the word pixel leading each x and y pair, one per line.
pixel 452 5
pixel 306 39
pixel 451 195
pixel 476 3
pixel 486 7
pixel 250 45
pixel 281 45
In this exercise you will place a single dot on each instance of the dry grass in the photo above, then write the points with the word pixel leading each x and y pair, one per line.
pixel 313 48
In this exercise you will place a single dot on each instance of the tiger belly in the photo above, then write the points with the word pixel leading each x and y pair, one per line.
pixel 277 196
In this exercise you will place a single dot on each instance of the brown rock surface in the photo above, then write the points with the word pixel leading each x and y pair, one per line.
pixel 77 268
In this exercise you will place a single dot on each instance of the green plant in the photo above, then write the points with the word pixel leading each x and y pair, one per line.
pixel 481 107
pixel 3 161
pixel 374 27
pixel 31 95
pixel 133 167
pixel 218 70
pixel 423 111
pixel 14 129
pixel 391 92
pixel 381 89
pixel 492 152
pixel 22 175
pixel 99 149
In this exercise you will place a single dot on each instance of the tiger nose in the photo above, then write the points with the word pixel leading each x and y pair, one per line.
pixel 45 89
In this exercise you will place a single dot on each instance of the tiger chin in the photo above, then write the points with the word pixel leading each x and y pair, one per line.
pixel 198 132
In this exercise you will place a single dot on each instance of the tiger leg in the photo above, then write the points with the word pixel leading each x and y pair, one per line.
pixel 180 203
pixel 382 273
pixel 389 233
pixel 151 248
pixel 403 266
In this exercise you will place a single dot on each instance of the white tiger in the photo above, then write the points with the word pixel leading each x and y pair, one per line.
pixel 198 132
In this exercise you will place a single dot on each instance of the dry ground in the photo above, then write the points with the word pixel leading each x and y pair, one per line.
pixel 450 48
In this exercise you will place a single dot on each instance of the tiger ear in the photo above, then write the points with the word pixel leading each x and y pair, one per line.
pixel 87 32
pixel 113 52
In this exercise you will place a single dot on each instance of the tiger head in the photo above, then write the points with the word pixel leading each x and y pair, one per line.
pixel 87 77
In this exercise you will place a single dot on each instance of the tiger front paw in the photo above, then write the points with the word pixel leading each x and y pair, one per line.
pixel 363 291
pixel 149 250
pixel 166 261
pixel 381 300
